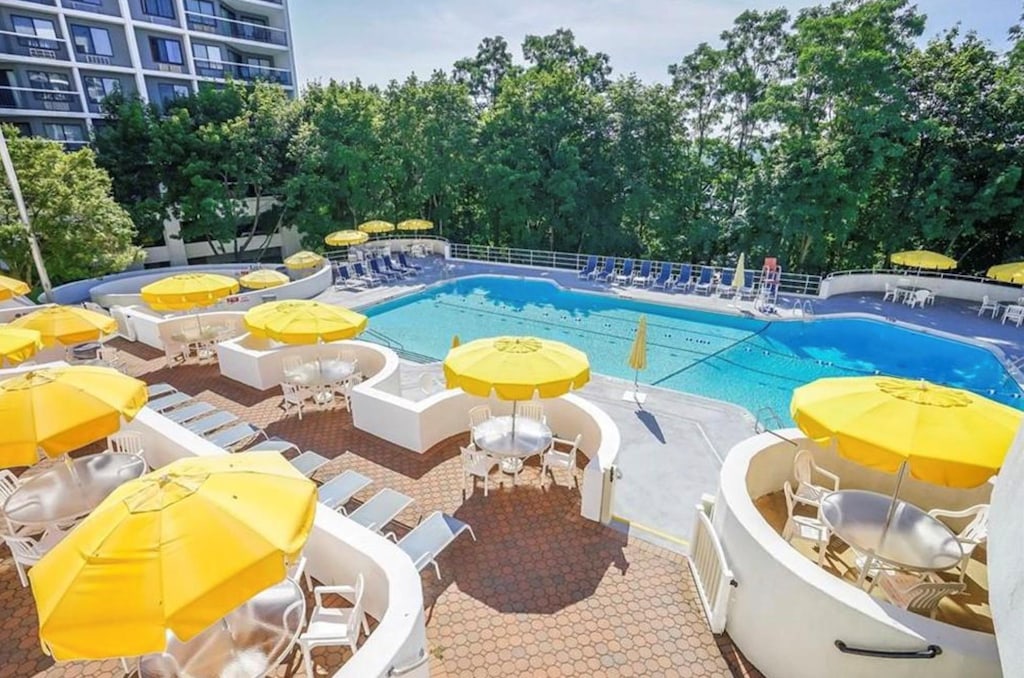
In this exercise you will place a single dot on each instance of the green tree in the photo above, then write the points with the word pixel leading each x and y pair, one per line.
pixel 81 230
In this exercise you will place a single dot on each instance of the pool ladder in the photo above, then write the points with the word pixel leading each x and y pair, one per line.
pixel 767 419
pixel 804 307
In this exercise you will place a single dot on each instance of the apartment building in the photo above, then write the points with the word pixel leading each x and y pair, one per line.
pixel 60 58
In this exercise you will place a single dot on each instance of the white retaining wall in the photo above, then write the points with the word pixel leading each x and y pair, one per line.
pixel 954 288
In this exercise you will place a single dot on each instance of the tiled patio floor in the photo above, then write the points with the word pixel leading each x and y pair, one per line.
pixel 542 593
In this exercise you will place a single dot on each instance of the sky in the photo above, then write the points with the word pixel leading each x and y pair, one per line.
pixel 381 40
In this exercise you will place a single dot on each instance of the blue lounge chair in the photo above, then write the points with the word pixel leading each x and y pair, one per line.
pixel 390 266
pixel 588 270
pixel 607 271
pixel 344 279
pixel 706 281
pixel 684 280
pixel 748 290
pixel 644 277
pixel 408 264
pixel 626 275
pixel 725 288
pixel 369 278
pixel 378 270
pixel 664 276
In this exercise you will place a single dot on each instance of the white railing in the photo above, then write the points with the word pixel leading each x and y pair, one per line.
pixel 711 573
pixel 233 28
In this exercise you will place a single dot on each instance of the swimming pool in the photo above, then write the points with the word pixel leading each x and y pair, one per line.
pixel 752 363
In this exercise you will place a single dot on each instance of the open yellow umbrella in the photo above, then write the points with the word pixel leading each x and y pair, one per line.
pixel 638 354
pixel 63 409
pixel 346 238
pixel 295 321
pixel 174 550
pixel 376 226
pixel 925 259
pixel 9 287
pixel 1011 273
pixel 304 259
pixel 263 278
pixel 18 344
pixel 186 291
pixel 67 325
pixel 415 225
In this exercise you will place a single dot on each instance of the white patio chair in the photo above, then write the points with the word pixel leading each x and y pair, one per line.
pixel 974 533
pixel 802 527
pixel 988 305
pixel 917 298
pixel 553 459
pixel 291 364
pixel 333 626
pixel 534 411
pixel 477 416
pixel 28 551
pixel 915 593
pixel 476 464
pixel 890 293
pixel 127 442
pixel 805 470
pixel 1014 313
pixel 175 352
pixel 111 357
pixel 294 397
pixel 8 484
pixel 427 540
pixel 297 573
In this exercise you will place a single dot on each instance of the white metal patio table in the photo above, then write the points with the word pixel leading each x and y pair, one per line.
pixel 914 540
pixel 495 436
pixel 67 491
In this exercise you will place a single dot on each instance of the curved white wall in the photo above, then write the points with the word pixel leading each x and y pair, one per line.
pixel 258 362
pixel 1006 558
pixel 955 288
pixel 786 613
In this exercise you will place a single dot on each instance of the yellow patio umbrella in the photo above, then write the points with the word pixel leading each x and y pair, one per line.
pixel 376 226
pixel 62 409
pixel 263 278
pixel 186 291
pixel 638 354
pixel 941 435
pixel 1011 273
pixel 304 259
pixel 296 321
pixel 67 325
pixel 346 238
pixel 456 341
pixel 415 225
pixel 9 287
pixel 741 273
pixel 18 344
pixel 174 550
pixel 923 259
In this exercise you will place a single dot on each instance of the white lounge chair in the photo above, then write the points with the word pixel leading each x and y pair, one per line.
pixel 235 438
pixel 476 464
pixel 190 412
pixel 169 401
pixel 161 389
pixel 333 626
pixel 973 534
pixel 425 542
pixel 805 470
pixel 802 527
pixel 207 425
pixel 380 509
pixel 566 461
pixel 337 491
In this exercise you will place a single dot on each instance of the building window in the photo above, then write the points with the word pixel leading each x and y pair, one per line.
pixel 166 51
pixel 45 35
pixel 209 60
pixel 90 40
pixel 160 8
pixel 167 92
pixel 63 132
pixel 202 12
pixel 57 82
pixel 98 88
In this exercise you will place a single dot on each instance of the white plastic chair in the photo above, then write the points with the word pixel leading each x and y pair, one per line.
pixel 803 527
pixel 534 411
pixel 890 293
pixel 918 298
pixel 111 357
pixel 553 459
pixel 8 484
pixel 805 470
pixel 291 364
pixel 28 551
pixel 915 593
pixel 294 397
pixel 973 534
pixel 333 626
pixel 126 442
pixel 1014 313
pixel 175 352
pixel 297 573
pixel 477 416
pixel 988 305
pixel 476 464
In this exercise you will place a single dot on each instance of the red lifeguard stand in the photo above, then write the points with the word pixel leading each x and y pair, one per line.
pixel 771 275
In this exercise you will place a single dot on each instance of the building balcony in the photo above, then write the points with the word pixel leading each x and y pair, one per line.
pixel 239 71
pixel 34 99
pixel 21 45
pixel 231 28
pixel 108 7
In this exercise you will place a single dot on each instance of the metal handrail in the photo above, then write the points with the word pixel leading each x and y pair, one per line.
pixel 930 652
pixel 420 660
pixel 911 272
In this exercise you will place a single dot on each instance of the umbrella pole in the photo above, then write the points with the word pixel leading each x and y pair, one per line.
pixel 892 503
pixel 515 404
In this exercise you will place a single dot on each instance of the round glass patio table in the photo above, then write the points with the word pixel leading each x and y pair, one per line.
pixel 69 490
pixel 915 540
pixel 319 376
pixel 247 643
pixel 494 436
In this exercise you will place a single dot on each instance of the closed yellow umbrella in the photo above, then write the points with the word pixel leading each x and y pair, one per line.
pixel 67 325
pixel 456 341
pixel 304 259
pixel 925 259
pixel 941 435
pixel 174 550
pixel 376 226
pixel 515 368
pixel 638 354
pixel 741 273
pixel 415 225
pixel 9 287
pixel 1011 273
pixel 18 344
pixel 295 321
pixel 263 278
pixel 186 291
pixel 346 238
pixel 63 409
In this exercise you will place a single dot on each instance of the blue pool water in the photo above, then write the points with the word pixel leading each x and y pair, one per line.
pixel 749 362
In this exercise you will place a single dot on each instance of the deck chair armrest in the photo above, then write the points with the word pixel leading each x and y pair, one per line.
pixel 392 536
pixel 423 560
pixel 831 477
pixel 965 513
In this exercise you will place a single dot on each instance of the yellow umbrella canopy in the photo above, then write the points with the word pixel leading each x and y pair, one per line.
pixel 18 344
pixel 9 287
pixel 63 409
pixel 1011 273
pixel 923 259
pixel 262 279
pixel 295 321
pixel 186 291
pixel 376 226
pixel 176 549
pixel 304 259
pixel 346 238
pixel 66 324
pixel 514 368
pixel 415 225
pixel 945 436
